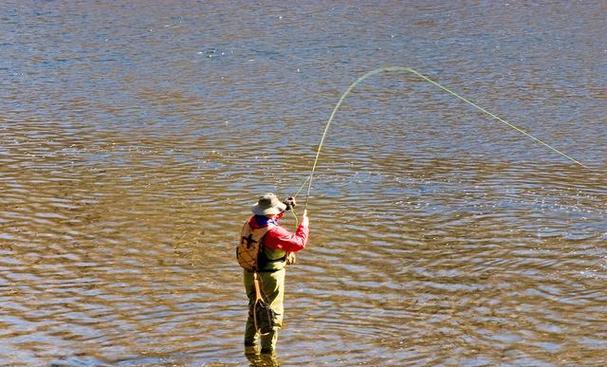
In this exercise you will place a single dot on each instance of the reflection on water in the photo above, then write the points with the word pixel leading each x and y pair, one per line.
pixel 133 140
pixel 263 360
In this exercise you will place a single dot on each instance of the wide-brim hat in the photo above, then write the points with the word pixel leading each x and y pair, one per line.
pixel 269 204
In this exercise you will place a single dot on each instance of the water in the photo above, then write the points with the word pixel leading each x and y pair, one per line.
pixel 134 137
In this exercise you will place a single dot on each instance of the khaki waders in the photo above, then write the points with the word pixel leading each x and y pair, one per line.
pixel 273 289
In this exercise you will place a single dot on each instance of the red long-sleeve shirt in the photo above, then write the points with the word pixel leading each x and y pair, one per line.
pixel 280 238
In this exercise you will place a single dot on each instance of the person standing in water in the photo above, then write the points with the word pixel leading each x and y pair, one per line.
pixel 277 246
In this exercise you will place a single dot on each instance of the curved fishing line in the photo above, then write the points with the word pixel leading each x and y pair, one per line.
pixel 410 70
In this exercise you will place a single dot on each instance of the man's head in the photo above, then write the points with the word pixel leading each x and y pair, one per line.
pixel 269 205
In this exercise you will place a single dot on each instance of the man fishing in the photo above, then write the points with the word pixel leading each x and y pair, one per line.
pixel 265 267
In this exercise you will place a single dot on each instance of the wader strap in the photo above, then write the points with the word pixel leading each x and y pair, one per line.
pixel 259 301
pixel 258 295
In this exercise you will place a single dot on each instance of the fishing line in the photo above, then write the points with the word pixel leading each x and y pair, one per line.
pixel 425 78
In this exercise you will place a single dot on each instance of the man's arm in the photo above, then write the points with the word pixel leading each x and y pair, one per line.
pixel 279 238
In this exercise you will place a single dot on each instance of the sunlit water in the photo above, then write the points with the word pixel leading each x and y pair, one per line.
pixel 134 136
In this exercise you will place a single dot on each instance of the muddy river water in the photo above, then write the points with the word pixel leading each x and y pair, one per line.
pixel 135 136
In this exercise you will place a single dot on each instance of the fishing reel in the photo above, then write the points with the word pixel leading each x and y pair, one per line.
pixel 290 203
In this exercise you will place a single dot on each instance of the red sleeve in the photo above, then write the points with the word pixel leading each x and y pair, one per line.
pixel 279 238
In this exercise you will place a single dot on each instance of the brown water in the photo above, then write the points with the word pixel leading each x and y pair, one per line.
pixel 134 136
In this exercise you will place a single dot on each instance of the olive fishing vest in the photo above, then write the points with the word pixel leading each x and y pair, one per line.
pixel 251 253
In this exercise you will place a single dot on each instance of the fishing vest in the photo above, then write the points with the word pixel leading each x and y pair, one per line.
pixel 251 254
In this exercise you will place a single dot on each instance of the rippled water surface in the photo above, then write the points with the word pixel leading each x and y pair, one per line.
pixel 135 135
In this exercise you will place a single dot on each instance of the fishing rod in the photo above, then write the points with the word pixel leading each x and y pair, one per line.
pixel 427 79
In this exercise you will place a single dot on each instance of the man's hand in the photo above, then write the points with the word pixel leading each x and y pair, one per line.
pixel 290 202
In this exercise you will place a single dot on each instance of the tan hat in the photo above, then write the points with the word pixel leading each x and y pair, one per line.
pixel 268 205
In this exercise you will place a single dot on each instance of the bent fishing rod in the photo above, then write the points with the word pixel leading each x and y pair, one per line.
pixel 427 79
